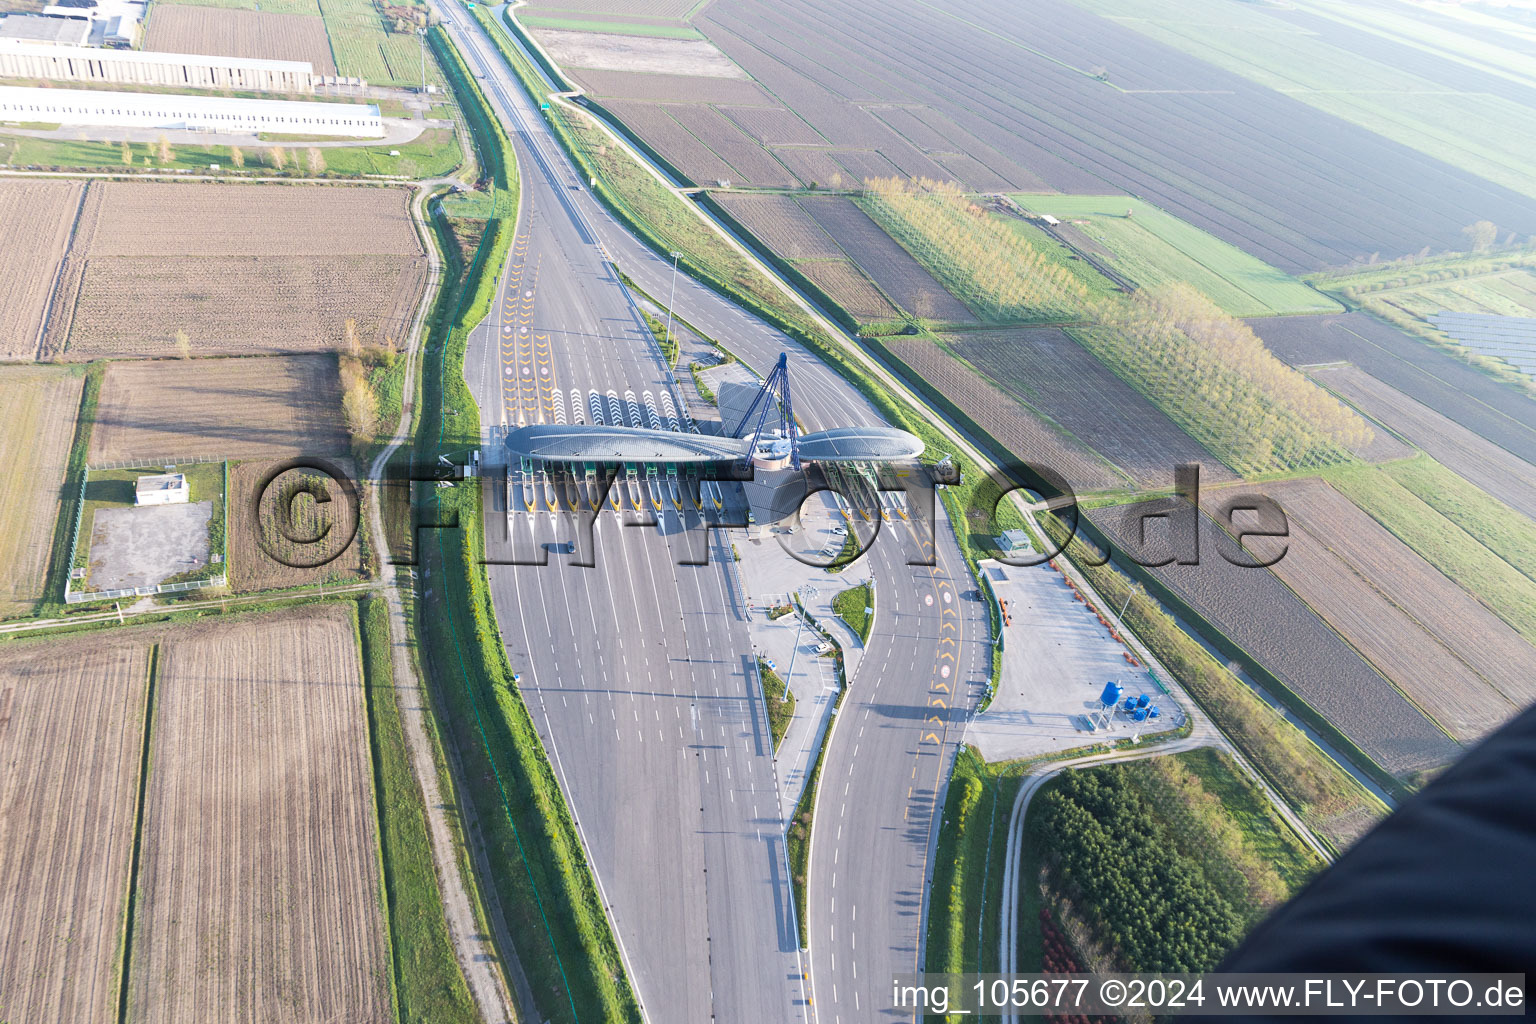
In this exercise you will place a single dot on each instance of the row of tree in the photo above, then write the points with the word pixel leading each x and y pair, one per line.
pixel 1118 863
pixel 275 157
pixel 980 255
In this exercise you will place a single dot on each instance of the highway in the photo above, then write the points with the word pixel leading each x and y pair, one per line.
pixel 637 671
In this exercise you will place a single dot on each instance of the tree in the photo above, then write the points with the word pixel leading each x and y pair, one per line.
pixel 163 150
pixel 350 330
pixel 1481 235
pixel 183 345
pixel 236 157
pixel 361 408
pixel 277 157
pixel 127 154
pixel 316 160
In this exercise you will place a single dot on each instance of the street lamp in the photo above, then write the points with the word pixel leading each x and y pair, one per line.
pixel 672 295
pixel 422 32
pixel 1127 602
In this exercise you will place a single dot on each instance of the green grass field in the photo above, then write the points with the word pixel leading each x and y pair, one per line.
pixel 363 45
pixel 1494 524
pixel 431 154
pixel 1153 247
pixel 428 981
pixel 1505 590
pixel 617 28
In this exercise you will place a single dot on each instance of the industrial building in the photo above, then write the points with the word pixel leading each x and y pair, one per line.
pixel 26 58
pixel 198 113
pixel 42 30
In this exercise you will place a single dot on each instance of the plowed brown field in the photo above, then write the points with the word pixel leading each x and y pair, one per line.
pixel 71 729
pixel 781 224
pixel 251 567
pixel 175 410
pixel 35 221
pixel 226 32
pixel 259 893
pixel 1451 655
pixel 241 269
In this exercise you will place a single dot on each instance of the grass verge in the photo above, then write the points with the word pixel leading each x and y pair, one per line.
pixel 428 982
pixel 855 606
pixel 780 700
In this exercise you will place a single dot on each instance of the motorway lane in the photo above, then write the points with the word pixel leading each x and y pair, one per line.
pixel 635 671
pixel 925 668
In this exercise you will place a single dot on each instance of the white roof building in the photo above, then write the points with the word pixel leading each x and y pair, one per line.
pixel 199 113
pixel 22 58
pixel 41 30
pixel 161 489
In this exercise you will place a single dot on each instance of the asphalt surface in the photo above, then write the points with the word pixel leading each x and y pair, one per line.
pixel 638 672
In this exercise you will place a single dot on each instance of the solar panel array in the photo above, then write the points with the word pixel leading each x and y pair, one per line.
pixel 1510 338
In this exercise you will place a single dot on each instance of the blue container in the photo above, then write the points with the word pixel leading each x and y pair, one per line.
pixel 1130 704
pixel 1140 715
pixel 1111 695
pixel 1143 701
pixel 1152 712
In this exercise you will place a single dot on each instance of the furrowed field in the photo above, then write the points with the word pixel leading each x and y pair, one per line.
pixel 256 532
pixel 1084 104
pixel 1258 615
pixel 236 269
pixel 71 728
pixel 265 407
pixel 259 749
pixel 1449 654
pixel 1487 465
pixel 1151 248
pixel 37 426
pixel 234 33
pixel 35 218
pixel 1045 368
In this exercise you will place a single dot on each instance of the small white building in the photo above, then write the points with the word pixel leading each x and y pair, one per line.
pixel 162 489
pixel 1014 541
pixel 197 113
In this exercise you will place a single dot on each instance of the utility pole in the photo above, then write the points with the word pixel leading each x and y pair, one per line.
pixel 422 34
pixel 1127 602
pixel 672 295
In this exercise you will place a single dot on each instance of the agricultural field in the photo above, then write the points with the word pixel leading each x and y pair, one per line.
pixel 266 407
pixel 254 530
pixel 1261 169
pixel 35 222
pixel 670 88
pixel 37 427
pixel 309 7
pixel 1253 612
pixel 365 45
pixel 259 745
pixel 849 288
pixel 890 266
pixel 227 32
pixel 638 54
pixel 71 735
pixel 1004 269
pixel 781 224
pixel 1461 556
pixel 694 160
pixel 1150 248
pixel 753 165
pixel 1448 653
pixel 238 269
pixel 774 126
pixel 1466 117
pixel 1496 471
pixel 1054 375
pixel 1494 524
pixel 627 9
pixel 1431 376
pixel 1018 430
pixel 1214 377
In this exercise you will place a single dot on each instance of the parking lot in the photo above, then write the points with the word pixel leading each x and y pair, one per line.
pixel 1057 656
